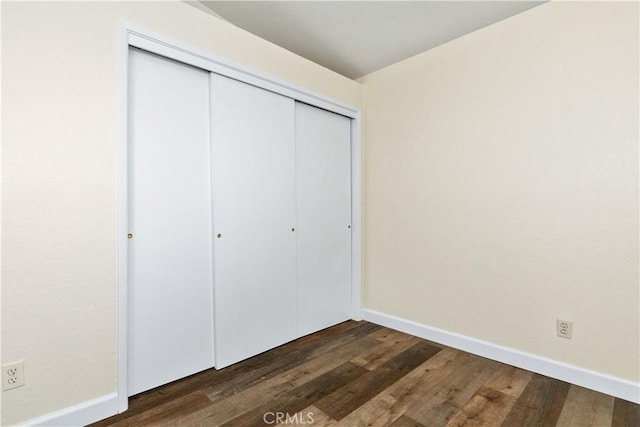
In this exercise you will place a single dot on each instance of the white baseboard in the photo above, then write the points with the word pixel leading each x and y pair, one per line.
pixel 106 406
pixel 79 415
pixel 603 383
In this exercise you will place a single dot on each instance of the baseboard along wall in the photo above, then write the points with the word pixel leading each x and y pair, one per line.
pixel 106 406
pixel 603 383
pixel 79 415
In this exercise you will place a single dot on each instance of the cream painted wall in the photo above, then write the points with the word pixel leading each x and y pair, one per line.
pixel 59 181
pixel 501 185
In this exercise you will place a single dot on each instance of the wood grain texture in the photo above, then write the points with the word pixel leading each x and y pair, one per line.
pixel 168 411
pixel 586 408
pixel 242 401
pixel 625 414
pixel 405 421
pixel 353 395
pixel 299 398
pixel 360 374
pixel 487 407
pixel 454 391
pixel 509 380
pixel 392 345
pixel 540 403
pixel 391 404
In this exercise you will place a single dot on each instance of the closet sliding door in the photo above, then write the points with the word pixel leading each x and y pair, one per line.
pixel 170 297
pixel 323 199
pixel 253 172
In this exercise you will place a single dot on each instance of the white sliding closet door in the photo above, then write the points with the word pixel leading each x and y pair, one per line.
pixel 323 194
pixel 170 260
pixel 253 164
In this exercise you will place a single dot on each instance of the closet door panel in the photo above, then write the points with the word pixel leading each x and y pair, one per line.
pixel 253 164
pixel 170 254
pixel 323 198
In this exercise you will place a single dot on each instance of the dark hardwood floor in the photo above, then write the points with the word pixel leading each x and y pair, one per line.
pixel 361 374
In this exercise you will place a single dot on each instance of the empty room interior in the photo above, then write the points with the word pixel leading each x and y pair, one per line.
pixel 356 213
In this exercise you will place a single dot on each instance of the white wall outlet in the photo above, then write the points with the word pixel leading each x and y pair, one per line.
pixel 564 328
pixel 13 375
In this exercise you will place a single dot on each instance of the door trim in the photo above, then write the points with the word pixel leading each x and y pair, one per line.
pixel 131 35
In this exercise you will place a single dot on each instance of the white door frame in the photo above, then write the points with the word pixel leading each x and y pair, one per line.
pixel 133 36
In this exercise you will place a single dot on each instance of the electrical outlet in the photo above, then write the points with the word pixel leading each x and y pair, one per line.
pixel 13 375
pixel 564 328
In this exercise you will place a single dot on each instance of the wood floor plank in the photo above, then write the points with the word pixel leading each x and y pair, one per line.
pixel 393 402
pixel 353 395
pixel 221 411
pixel 487 408
pixel 625 414
pixel 300 397
pixel 539 404
pixel 387 335
pixel 320 419
pixel 404 421
pixel 586 408
pixel 359 374
pixel 393 345
pixel 509 380
pixel 299 374
pixel 443 402
pixel 175 390
pixel 283 363
pixel 167 411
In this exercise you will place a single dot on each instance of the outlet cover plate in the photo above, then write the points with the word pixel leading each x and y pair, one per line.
pixel 13 375
pixel 564 328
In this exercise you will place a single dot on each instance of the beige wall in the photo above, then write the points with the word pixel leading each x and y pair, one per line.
pixel 59 181
pixel 502 185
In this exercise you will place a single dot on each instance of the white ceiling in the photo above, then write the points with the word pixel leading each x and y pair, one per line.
pixel 355 38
